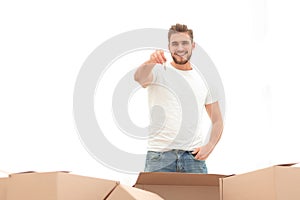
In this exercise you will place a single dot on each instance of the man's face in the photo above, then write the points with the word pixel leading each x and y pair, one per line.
pixel 181 47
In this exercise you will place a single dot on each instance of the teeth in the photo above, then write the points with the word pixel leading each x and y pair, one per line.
pixel 180 54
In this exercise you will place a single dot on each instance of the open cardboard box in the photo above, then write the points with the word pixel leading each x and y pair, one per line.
pixel 65 186
pixel 280 182
pixel 181 186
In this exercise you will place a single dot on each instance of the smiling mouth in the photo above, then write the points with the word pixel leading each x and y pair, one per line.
pixel 180 54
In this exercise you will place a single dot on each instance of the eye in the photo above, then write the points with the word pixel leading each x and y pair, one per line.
pixel 185 43
pixel 174 44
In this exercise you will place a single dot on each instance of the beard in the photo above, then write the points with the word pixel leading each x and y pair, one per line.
pixel 179 59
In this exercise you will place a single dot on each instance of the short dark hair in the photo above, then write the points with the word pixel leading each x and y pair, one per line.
pixel 182 28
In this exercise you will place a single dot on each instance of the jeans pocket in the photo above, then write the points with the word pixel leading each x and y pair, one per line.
pixel 153 156
pixel 193 156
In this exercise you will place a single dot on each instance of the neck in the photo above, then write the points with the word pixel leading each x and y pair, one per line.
pixel 186 66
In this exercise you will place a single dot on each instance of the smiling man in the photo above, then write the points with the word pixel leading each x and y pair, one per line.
pixel 177 96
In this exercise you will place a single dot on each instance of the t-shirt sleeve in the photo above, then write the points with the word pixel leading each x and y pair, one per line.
pixel 210 98
pixel 213 93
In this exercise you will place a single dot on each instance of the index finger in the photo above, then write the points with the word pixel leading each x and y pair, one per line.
pixel 162 53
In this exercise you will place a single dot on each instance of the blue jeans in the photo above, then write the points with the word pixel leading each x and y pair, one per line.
pixel 174 161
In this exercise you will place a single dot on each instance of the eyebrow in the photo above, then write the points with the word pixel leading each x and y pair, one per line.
pixel 180 41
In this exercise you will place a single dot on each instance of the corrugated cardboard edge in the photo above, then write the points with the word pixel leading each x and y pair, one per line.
pixel 30 172
pixel 269 167
pixel 109 193
pixel 221 189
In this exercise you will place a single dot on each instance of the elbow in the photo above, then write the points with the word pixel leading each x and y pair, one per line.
pixel 138 79
pixel 136 75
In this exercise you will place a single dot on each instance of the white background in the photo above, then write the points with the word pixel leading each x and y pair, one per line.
pixel 253 43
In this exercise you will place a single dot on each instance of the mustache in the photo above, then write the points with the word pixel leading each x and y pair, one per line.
pixel 176 54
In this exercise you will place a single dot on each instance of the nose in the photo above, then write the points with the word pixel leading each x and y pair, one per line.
pixel 180 47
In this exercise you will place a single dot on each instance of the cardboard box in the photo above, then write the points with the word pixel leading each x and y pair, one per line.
pixel 180 186
pixel 57 186
pixel 281 182
pixel 3 185
pixel 65 186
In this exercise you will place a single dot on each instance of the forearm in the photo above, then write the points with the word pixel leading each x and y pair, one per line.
pixel 204 151
pixel 215 134
pixel 143 74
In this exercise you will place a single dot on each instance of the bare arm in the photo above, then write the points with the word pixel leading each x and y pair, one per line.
pixel 213 111
pixel 143 75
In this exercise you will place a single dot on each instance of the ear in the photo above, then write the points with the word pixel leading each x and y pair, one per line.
pixel 193 45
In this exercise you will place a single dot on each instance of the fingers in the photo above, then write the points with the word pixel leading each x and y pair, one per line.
pixel 199 154
pixel 158 57
pixel 196 150
pixel 200 157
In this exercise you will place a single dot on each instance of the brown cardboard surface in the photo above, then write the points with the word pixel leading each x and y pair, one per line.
pixel 179 186
pixel 288 183
pixel 281 182
pixel 65 186
pixel 57 186
pixel 129 193
pixel 3 186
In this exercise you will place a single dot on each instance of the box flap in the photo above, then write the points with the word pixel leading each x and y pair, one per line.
pixel 57 186
pixel 178 186
pixel 3 188
pixel 280 182
pixel 287 183
pixel 72 186
pixel 182 179
pixel 125 192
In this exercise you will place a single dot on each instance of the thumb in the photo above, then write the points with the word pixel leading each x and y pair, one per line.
pixel 196 150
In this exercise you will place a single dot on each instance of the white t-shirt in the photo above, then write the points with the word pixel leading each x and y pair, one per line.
pixel 177 101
